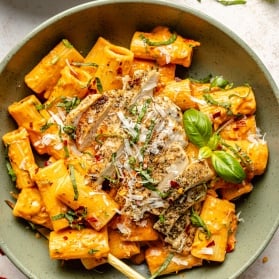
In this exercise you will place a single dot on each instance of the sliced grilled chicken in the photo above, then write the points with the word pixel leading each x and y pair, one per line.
pixel 90 120
pixel 139 143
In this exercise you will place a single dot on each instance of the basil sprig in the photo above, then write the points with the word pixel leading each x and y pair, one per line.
pixel 198 128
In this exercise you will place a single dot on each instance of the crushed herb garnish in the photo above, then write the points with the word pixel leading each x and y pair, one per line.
pixel 163 266
pixel 67 43
pixel 10 170
pixel 74 182
pixel 197 221
pixel 171 40
pixel 68 103
pixel 99 85
pixel 84 64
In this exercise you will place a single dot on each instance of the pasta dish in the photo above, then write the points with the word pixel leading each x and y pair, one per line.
pixel 138 163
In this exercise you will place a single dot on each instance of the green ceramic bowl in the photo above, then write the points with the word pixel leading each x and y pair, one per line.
pixel 221 52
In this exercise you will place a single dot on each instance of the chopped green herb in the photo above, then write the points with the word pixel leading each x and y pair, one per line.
pixel 197 221
pixel 163 266
pixel 68 103
pixel 39 106
pixel 92 251
pixel 45 127
pixel 210 100
pixel 162 218
pixel 80 64
pixel 171 40
pixel 70 130
pixel 67 43
pixel 10 171
pixel 219 81
pixel 74 182
pixel 99 85
pixel 74 218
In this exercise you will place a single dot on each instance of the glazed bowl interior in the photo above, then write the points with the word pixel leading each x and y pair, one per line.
pixel 220 53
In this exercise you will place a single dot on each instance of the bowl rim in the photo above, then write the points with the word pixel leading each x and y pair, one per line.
pixel 181 7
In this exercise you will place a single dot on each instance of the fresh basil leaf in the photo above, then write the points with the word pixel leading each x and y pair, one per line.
pixel 198 127
pixel 227 167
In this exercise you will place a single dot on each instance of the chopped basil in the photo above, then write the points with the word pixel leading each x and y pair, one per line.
pixel 74 218
pixel 162 218
pixel 74 182
pixel 10 171
pixel 80 64
pixel 99 85
pixel 68 103
pixel 171 40
pixel 45 127
pixel 67 43
pixel 163 266
pixel 197 221
pixel 70 130
pixel 210 100
pixel 92 251
pixel 219 81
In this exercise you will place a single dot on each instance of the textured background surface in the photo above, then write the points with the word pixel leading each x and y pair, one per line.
pixel 255 23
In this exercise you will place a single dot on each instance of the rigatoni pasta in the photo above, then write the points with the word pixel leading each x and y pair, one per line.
pixel 140 164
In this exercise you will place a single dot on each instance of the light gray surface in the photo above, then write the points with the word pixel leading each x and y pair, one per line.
pixel 255 22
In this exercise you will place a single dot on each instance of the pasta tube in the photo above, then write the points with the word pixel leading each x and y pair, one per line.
pixel 30 206
pixel 240 129
pixel 132 231
pixel 21 157
pixel 180 93
pixel 157 255
pixel 71 189
pixel 113 62
pixel 74 82
pixel 222 105
pixel 163 46
pixel 78 244
pixel 217 214
pixel 47 72
pixel 253 152
pixel 47 179
pixel 44 134
pixel 166 72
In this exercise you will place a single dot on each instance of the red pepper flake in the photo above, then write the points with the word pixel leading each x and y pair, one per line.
pixel 211 243
pixel 65 142
pixel 91 219
pixel 65 237
pixel 119 71
pixel 216 114
pixel 174 184
pixel 98 157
